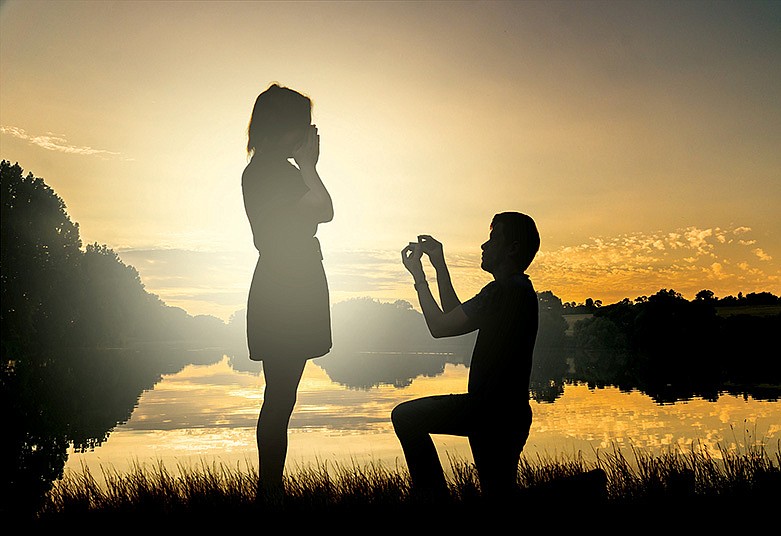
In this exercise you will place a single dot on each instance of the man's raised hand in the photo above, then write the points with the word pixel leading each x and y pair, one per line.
pixel 432 248
pixel 410 257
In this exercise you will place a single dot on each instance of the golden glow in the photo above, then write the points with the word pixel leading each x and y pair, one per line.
pixel 433 117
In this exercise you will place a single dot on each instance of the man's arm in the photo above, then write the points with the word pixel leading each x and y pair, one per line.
pixel 434 250
pixel 440 324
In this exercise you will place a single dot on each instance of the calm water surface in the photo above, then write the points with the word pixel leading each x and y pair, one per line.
pixel 207 413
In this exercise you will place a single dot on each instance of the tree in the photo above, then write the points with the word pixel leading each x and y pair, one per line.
pixel 552 326
pixel 39 262
pixel 761 298
pixel 114 301
pixel 706 296
pixel 39 271
pixel 368 324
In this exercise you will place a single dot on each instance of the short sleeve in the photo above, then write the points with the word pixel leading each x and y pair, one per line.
pixel 476 307
pixel 270 193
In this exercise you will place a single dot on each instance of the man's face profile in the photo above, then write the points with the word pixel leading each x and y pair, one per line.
pixel 493 250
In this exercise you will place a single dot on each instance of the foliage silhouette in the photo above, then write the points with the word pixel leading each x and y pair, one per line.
pixel 674 349
pixel 54 294
pixel 39 262
pixel 62 309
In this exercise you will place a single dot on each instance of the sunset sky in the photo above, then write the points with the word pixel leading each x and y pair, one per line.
pixel 643 137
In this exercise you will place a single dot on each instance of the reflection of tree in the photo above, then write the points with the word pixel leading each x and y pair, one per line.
pixel 550 367
pixel 549 372
pixel 603 353
pixel 378 343
pixel 76 400
pixel 364 370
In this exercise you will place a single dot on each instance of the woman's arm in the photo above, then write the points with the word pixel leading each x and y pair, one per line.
pixel 317 201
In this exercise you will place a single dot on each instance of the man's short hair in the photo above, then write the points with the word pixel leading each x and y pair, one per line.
pixel 520 228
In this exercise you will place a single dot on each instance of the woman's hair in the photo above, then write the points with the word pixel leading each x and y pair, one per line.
pixel 278 110
pixel 520 228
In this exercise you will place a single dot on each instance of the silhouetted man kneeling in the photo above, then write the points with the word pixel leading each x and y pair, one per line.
pixel 494 413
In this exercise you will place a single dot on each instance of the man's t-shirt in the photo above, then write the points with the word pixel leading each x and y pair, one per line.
pixel 507 316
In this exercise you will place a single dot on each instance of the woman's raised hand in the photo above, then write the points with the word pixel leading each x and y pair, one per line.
pixel 308 152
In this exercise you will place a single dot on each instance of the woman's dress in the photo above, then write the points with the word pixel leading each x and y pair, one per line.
pixel 288 308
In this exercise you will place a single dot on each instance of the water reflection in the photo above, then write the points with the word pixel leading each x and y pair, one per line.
pixel 177 404
pixel 209 411
pixel 364 370
pixel 74 397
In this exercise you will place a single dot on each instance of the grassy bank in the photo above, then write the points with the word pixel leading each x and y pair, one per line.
pixel 694 481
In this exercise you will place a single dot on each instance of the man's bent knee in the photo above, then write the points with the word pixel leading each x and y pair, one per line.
pixel 398 414
pixel 403 415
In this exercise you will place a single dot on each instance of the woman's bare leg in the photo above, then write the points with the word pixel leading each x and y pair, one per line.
pixel 282 379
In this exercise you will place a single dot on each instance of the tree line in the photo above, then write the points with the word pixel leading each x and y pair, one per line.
pixel 752 299
pixel 666 344
pixel 56 293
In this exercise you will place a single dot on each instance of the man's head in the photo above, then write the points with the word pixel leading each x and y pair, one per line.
pixel 512 244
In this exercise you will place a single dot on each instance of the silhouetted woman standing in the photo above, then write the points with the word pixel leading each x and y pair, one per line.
pixel 288 311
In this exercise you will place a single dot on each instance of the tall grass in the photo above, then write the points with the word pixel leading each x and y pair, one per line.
pixel 207 490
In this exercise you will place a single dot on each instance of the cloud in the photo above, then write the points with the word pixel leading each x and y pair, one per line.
pixel 687 260
pixel 608 268
pixel 698 239
pixel 762 255
pixel 365 271
pixel 716 271
pixel 55 142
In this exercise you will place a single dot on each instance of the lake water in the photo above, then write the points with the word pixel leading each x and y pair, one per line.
pixel 207 413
